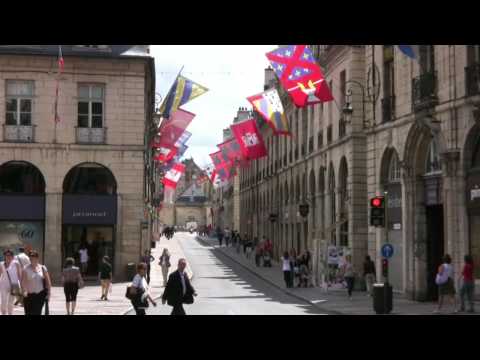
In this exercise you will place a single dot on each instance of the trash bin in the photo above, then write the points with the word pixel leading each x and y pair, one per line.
pixel 130 271
pixel 382 305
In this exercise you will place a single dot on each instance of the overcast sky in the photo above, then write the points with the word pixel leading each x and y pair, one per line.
pixel 230 72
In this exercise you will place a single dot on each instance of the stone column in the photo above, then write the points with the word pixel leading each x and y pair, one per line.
pixel 53 235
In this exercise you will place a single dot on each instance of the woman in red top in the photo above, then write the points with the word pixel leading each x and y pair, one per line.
pixel 468 287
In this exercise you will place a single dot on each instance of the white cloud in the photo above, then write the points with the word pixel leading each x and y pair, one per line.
pixel 230 72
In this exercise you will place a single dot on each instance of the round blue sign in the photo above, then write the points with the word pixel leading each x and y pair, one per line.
pixel 387 251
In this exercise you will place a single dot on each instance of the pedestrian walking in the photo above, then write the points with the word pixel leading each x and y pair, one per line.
pixel 105 276
pixel 245 243
pixel 445 281
pixel 178 291
pixel 238 242
pixel 227 236
pixel 369 274
pixel 295 269
pixel 468 285
pixel 10 275
pixel 219 236
pixel 258 252
pixel 83 251
pixel 287 269
pixel 37 285
pixel 304 272
pixel 165 265
pixel 349 275
pixel 140 292
pixel 147 259
pixel 72 281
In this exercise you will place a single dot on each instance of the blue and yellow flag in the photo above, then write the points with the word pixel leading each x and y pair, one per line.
pixel 182 91
pixel 269 105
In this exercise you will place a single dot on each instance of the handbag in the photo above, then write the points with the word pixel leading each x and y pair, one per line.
pixel 131 292
pixel 442 277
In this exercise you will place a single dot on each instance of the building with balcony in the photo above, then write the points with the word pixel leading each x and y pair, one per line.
pixel 423 152
pixel 80 181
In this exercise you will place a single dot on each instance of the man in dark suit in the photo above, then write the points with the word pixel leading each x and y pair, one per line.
pixel 178 291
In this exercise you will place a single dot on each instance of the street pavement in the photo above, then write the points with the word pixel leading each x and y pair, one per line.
pixel 332 300
pixel 88 299
pixel 227 288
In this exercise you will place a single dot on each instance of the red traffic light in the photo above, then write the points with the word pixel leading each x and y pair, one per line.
pixel 377 202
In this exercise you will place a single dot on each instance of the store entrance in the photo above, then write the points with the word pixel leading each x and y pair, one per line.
pixel 435 248
pixel 98 240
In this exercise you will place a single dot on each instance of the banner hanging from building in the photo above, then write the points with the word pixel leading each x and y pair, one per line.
pixel 269 105
pixel 250 140
pixel 173 176
pixel 300 75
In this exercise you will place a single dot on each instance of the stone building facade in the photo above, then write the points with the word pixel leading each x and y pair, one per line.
pixel 323 165
pixel 423 151
pixel 78 182
pixel 400 128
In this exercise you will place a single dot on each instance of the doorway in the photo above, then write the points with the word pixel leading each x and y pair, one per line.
pixel 435 247
pixel 98 241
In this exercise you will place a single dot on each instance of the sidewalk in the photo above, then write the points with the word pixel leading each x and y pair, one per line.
pixel 88 299
pixel 334 300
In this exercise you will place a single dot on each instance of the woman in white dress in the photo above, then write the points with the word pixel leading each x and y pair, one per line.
pixel 10 275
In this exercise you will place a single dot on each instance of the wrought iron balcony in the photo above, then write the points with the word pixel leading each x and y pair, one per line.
pixel 18 133
pixel 424 91
pixel 91 135
pixel 388 108
pixel 472 79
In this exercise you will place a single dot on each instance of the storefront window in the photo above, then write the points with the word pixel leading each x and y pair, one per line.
pixel 17 234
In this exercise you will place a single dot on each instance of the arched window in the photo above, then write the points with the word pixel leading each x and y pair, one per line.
pixel 433 164
pixel 394 168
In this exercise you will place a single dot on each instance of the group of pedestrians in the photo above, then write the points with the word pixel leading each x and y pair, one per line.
pixel 178 289
pixel 23 280
pixel 297 269
pixel 445 280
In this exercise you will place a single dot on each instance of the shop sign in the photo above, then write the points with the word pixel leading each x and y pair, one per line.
pixel 90 209
pixel 22 207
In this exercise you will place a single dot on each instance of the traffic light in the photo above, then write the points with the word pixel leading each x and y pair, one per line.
pixel 385 267
pixel 377 211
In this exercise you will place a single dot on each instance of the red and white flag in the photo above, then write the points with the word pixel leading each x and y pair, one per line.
pixel 300 75
pixel 172 129
pixel 165 153
pixel 61 65
pixel 249 138
pixel 173 176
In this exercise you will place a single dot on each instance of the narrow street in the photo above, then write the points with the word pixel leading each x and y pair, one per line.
pixel 226 288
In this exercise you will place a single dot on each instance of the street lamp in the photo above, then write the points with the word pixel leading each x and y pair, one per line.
pixel 367 97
